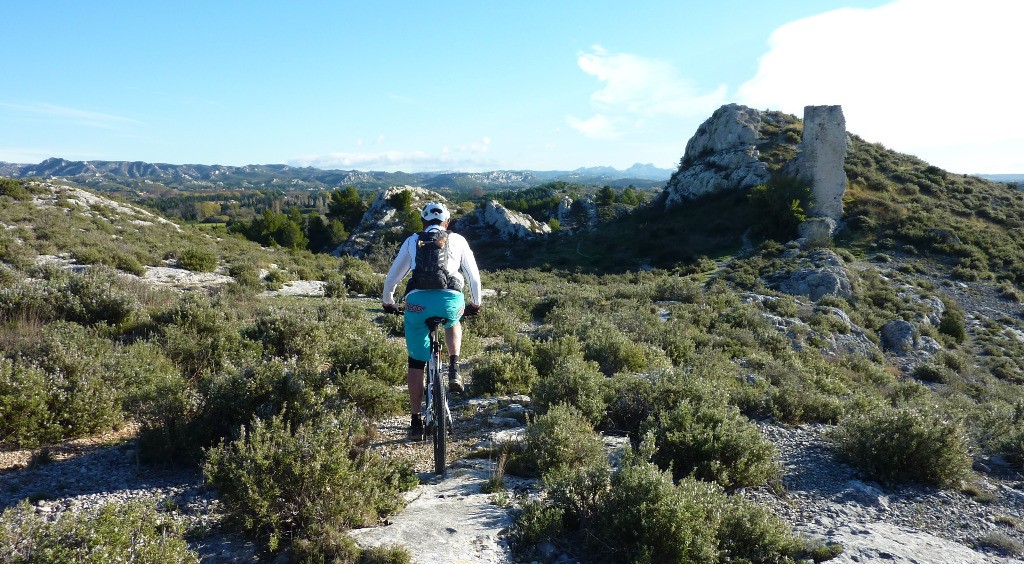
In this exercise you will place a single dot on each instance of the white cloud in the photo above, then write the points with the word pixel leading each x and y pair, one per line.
pixel 71 116
pixel 936 78
pixel 638 92
pixel 468 157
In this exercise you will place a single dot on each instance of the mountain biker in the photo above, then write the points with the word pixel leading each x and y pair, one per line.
pixel 421 304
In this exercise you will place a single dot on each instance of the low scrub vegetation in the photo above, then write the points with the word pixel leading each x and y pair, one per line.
pixel 904 445
pixel 311 481
pixel 638 513
pixel 129 532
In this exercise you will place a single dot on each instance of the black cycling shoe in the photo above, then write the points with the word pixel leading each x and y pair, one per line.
pixel 416 427
pixel 455 381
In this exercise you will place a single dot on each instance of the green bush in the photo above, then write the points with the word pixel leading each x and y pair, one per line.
pixel 630 400
pixel 85 381
pixel 116 532
pixel 280 482
pixel 715 443
pixel 638 514
pixel 779 207
pixel 13 189
pixel 359 277
pixel 904 445
pixel 25 417
pixel 575 382
pixel 94 297
pixel 753 533
pixel 501 373
pixel 952 325
pixel 373 398
pixel 562 437
pixel 246 274
pixel 198 260
pixel 647 518
pixel 536 522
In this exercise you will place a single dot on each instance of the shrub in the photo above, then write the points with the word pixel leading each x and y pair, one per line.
pixel 536 522
pixel 903 445
pixel 373 398
pixel 714 443
pixel 615 351
pixel 780 206
pixel 115 532
pixel 198 260
pixel 648 518
pixel 334 286
pixel 562 437
pixel 278 482
pixel 631 400
pixel 84 383
pixel 246 274
pixel 952 325
pixel 499 373
pixel 638 514
pixel 753 533
pixel 25 417
pixel 13 189
pixel 550 353
pixel 359 277
pixel 575 382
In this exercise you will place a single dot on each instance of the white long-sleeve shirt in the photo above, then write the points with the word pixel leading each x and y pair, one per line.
pixel 460 257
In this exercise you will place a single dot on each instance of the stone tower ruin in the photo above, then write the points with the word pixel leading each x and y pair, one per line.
pixel 822 157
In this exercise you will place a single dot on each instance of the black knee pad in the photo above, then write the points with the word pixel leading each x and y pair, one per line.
pixel 418 364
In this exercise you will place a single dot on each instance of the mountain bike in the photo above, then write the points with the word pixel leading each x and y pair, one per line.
pixel 437 417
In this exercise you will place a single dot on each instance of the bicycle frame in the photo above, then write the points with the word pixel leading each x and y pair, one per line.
pixel 437 417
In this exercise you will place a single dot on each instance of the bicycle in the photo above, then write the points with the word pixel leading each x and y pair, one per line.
pixel 437 417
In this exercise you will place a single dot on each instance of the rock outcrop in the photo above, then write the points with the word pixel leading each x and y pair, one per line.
pixel 722 155
pixel 511 224
pixel 819 274
pixel 576 214
pixel 822 157
pixel 382 219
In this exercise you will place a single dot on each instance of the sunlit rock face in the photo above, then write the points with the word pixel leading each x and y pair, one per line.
pixel 722 155
pixel 822 159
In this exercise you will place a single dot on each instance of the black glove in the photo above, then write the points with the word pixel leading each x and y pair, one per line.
pixel 392 308
pixel 472 310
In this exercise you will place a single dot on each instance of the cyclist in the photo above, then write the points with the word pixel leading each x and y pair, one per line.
pixel 421 304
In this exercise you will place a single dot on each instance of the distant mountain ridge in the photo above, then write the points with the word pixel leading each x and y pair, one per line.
pixel 155 177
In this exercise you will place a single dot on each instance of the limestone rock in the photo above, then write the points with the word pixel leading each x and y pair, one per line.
pixel 823 274
pixel 817 231
pixel 722 155
pixel 899 336
pixel 511 224
pixel 576 214
pixel 381 218
pixel 822 157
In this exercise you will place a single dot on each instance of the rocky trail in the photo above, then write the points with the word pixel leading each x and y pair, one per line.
pixel 451 518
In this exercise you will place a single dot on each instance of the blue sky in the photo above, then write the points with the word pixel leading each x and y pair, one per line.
pixel 473 86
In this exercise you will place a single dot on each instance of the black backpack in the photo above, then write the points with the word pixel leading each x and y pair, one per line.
pixel 431 271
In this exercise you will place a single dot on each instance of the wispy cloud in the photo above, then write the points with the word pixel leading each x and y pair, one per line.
pixel 926 77
pixel 71 116
pixel 467 157
pixel 638 91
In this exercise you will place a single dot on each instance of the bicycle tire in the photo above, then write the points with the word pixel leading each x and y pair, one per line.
pixel 440 424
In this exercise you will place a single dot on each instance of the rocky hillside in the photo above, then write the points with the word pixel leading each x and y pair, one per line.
pixel 700 385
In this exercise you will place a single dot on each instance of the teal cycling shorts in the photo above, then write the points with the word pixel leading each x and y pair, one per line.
pixel 423 304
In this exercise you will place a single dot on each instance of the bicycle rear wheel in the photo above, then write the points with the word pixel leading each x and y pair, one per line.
pixel 439 410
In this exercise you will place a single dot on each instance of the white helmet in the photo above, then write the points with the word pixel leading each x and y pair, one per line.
pixel 435 210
